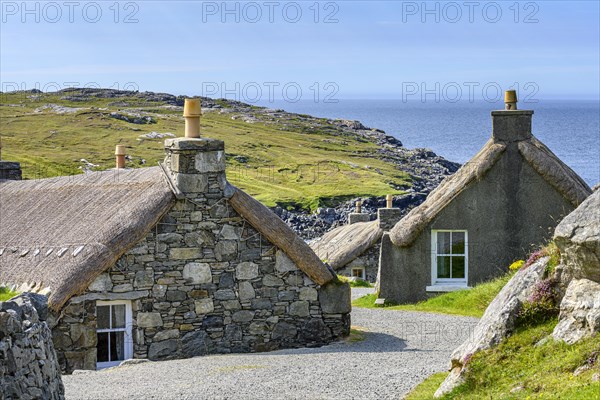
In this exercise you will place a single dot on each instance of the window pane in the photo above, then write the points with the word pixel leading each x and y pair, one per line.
pixel 443 267
pixel 117 346
pixel 118 316
pixel 458 243
pixel 103 317
pixel 443 242
pixel 102 347
pixel 458 267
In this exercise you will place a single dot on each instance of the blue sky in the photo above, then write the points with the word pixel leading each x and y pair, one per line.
pixel 377 49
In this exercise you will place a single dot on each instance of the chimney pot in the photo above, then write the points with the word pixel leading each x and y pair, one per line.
pixel 192 109
pixel 120 156
pixel 358 206
pixel 510 100
pixel 389 199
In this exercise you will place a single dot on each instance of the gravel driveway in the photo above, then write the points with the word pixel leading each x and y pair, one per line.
pixel 399 350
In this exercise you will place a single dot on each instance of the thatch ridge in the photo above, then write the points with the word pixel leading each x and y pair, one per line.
pixel 345 243
pixel 60 233
pixel 554 171
pixel 409 227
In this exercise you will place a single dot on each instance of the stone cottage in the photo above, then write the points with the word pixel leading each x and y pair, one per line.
pixel 509 196
pixel 165 262
pixel 353 249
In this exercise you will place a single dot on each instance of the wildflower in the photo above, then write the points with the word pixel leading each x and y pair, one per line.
pixel 516 265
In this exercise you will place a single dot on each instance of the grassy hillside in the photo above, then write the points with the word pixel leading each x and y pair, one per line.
pixel 304 161
pixel 522 367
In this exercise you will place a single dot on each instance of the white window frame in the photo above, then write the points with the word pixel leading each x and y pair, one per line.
pixel 362 273
pixel 128 350
pixel 447 284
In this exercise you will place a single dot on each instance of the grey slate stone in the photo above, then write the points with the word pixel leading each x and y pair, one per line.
pixel 335 298
pixel 162 349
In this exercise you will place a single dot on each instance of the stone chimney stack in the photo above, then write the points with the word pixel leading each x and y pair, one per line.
pixel 511 124
pixel 358 215
pixel 195 166
pixel 388 216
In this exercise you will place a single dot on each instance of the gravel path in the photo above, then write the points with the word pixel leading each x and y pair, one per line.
pixel 399 350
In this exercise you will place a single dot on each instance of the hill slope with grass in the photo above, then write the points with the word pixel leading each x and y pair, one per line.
pixel 284 159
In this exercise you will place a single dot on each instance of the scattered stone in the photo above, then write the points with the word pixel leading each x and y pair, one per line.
pixel 156 135
pixel 133 118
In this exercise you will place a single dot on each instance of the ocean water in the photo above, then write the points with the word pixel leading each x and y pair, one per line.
pixel 456 131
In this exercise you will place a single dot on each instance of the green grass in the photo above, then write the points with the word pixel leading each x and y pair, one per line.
pixel 357 334
pixel 545 371
pixel 469 302
pixel 305 163
pixel 6 294
pixel 356 283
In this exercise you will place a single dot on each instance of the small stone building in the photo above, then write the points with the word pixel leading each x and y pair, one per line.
pixel 488 214
pixel 165 262
pixel 353 249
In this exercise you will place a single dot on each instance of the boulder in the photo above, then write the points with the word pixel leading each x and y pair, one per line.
pixel 578 238
pixel 579 311
pixel 497 321
pixel 335 298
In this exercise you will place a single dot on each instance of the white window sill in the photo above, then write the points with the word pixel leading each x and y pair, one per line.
pixel 446 288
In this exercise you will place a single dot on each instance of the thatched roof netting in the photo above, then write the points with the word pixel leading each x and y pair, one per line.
pixel 60 233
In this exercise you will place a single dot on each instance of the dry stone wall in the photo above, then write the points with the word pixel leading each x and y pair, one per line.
pixel 28 365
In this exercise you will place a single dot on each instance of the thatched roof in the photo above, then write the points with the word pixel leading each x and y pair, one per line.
pixel 557 173
pixel 61 233
pixel 409 227
pixel 57 235
pixel 546 163
pixel 342 245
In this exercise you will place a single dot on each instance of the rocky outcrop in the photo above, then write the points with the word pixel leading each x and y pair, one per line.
pixel 578 238
pixel 28 365
pixel 497 322
pixel 311 226
pixel 579 311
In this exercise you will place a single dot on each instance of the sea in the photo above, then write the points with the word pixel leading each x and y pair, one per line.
pixel 456 131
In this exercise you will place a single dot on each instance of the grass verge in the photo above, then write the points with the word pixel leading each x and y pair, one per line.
pixel 520 369
pixel 6 294
pixel 469 302
pixel 355 283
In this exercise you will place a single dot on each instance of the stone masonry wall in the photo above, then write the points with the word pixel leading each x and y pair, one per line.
pixel 369 260
pixel 205 281
pixel 28 364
